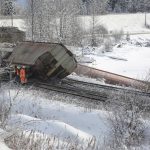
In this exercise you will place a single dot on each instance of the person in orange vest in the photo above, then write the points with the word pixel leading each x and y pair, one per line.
pixel 23 78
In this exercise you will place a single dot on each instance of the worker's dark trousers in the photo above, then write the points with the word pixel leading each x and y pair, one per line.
pixel 17 78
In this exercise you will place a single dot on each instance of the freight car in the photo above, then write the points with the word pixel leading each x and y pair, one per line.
pixel 43 60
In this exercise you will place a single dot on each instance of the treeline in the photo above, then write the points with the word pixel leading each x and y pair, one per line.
pixel 64 21
pixel 87 7
pixel 115 6
pixel 131 6
pixel 10 7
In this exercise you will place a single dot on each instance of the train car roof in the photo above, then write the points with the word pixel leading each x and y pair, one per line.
pixel 26 53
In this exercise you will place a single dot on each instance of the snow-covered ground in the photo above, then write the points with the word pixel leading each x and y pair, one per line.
pixel 34 111
pixel 129 23
pixel 44 114
pixel 130 59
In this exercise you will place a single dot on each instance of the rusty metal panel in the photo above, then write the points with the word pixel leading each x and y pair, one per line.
pixel 27 53
pixel 108 76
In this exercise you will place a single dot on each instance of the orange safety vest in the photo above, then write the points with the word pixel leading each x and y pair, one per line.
pixel 23 76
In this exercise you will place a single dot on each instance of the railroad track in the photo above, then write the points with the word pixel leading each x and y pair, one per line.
pixel 73 87
pixel 106 87
pixel 71 90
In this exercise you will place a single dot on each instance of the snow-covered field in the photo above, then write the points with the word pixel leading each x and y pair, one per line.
pixel 130 59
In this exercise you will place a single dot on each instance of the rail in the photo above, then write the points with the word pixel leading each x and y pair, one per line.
pixel 106 87
pixel 73 87
pixel 76 91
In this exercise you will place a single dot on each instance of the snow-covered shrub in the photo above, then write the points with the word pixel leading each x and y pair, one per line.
pixel 101 30
pixel 5 107
pixel 147 26
pixel 108 45
pixel 75 35
pixel 6 103
pixel 98 34
pixel 37 141
pixel 126 120
pixel 117 35
pixel 146 79
pixel 4 112
pixel 128 37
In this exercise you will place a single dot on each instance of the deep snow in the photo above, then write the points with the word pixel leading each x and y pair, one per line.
pixel 132 61
pixel 34 111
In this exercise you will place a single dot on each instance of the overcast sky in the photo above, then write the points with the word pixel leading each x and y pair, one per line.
pixel 22 2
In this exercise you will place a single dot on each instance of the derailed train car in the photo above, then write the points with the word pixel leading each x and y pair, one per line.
pixel 44 60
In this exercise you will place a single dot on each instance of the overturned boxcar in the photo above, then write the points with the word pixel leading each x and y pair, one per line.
pixel 44 60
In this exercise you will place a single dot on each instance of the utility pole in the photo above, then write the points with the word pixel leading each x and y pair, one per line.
pixel 1 7
pixel 11 14
pixel 32 11
pixel 145 19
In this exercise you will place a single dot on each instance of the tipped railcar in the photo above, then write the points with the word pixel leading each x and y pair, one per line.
pixel 44 60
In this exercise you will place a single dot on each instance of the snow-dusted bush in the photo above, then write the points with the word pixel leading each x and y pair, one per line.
pixel 4 112
pixel 128 37
pixel 97 33
pixel 39 141
pixel 146 79
pixel 117 35
pixel 5 107
pixel 6 103
pixel 126 119
pixel 108 45
pixel 101 30
pixel 147 26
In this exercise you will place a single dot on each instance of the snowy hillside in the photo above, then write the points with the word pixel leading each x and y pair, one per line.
pixel 20 23
pixel 129 23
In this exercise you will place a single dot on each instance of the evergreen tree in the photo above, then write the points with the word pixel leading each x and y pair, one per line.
pixel 8 8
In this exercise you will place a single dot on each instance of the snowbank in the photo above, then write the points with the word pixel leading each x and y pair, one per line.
pixel 32 111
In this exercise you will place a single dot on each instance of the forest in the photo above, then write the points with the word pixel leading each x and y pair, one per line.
pixel 86 6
